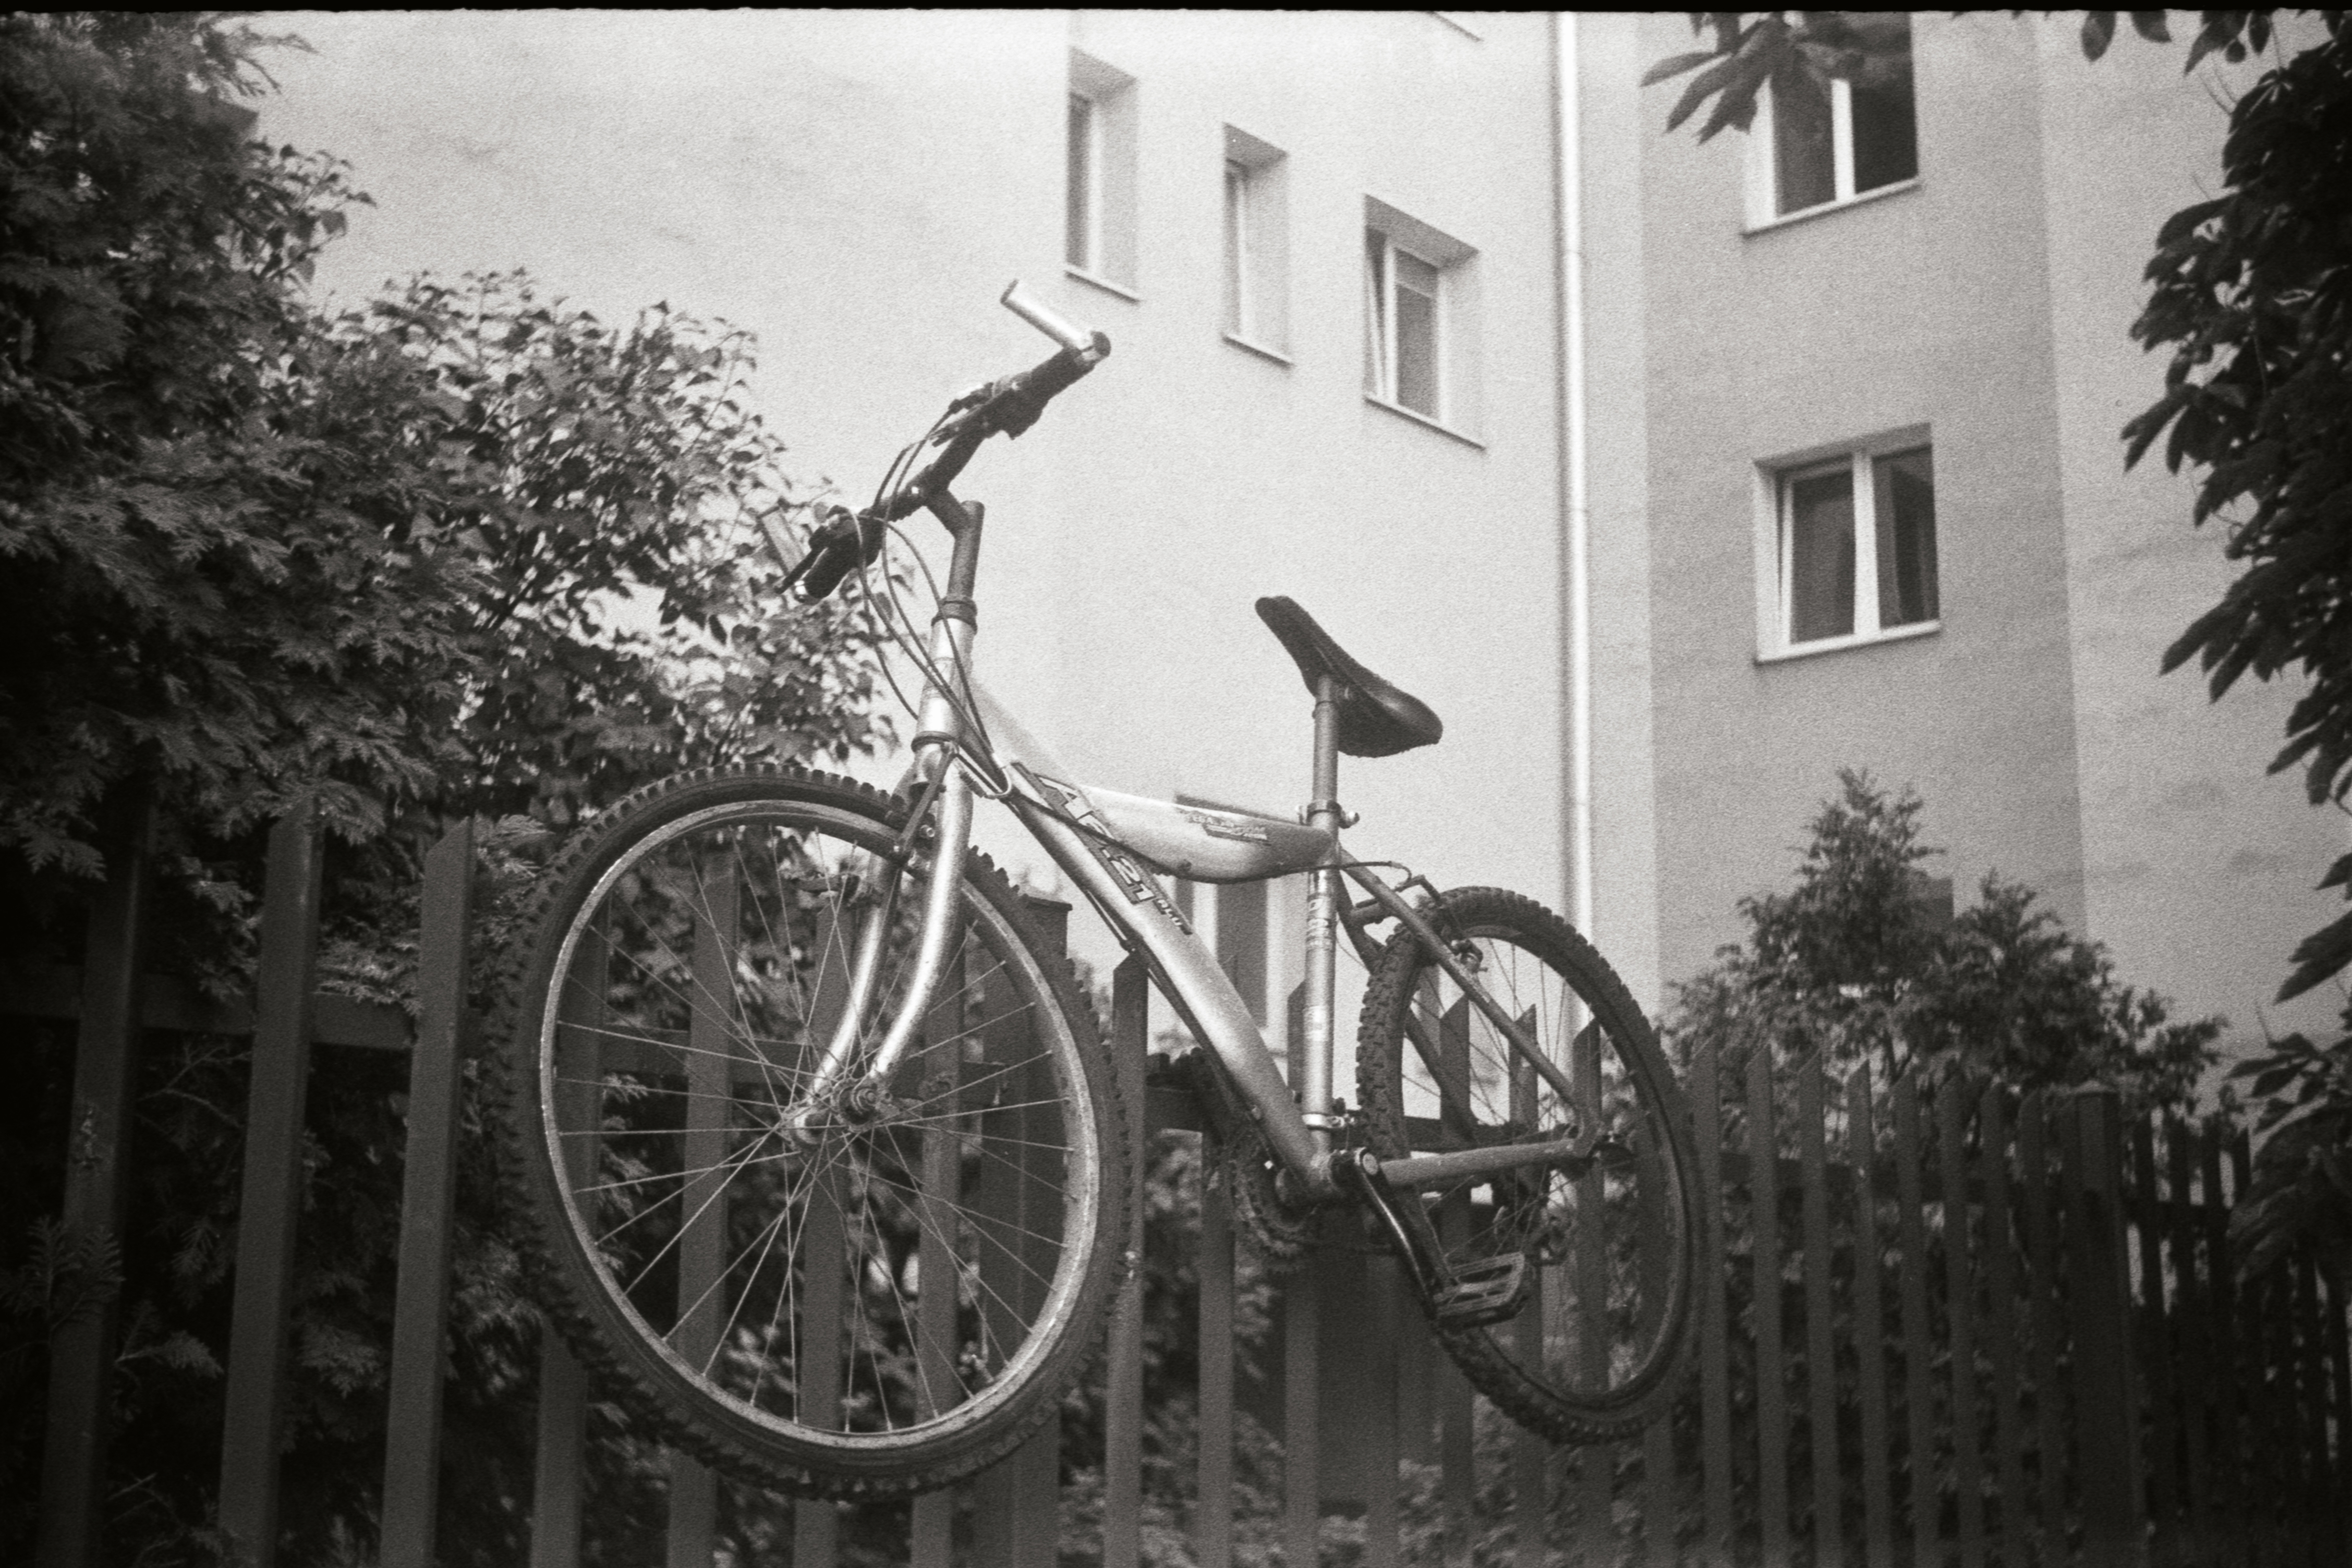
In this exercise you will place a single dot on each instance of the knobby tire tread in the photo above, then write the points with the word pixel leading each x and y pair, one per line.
pixel 526 1182
pixel 1380 1044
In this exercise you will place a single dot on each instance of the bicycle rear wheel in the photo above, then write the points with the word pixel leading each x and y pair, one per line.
pixel 1594 1351
pixel 879 1303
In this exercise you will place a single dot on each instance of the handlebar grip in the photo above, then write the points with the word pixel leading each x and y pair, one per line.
pixel 844 543
pixel 1073 338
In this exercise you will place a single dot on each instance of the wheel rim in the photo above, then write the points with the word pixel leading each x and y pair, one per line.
pixel 1607 1250
pixel 782 1281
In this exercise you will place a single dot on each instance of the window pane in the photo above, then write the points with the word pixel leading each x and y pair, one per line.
pixel 1904 488
pixel 1416 334
pixel 1820 545
pixel 1376 313
pixel 1078 249
pixel 1804 168
pixel 1885 133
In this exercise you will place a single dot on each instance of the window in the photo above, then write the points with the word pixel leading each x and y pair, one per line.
pixel 1100 177
pixel 1823 142
pixel 1853 550
pixel 1419 317
pixel 1256 258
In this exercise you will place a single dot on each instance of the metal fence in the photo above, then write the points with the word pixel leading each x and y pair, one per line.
pixel 1955 1327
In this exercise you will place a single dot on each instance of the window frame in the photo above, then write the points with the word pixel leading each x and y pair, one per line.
pixel 1763 158
pixel 1255 284
pixel 1100 167
pixel 1454 348
pixel 1775 560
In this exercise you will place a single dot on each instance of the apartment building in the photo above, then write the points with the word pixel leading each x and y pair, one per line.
pixel 1857 498
pixel 1324 248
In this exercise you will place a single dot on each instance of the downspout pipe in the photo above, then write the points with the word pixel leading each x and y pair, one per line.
pixel 1568 155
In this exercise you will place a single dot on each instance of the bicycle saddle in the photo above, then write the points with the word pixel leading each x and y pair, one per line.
pixel 1376 719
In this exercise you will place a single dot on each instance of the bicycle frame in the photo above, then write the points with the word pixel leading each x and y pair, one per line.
pixel 1061 817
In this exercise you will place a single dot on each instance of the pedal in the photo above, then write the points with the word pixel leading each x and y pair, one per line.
pixel 1487 1292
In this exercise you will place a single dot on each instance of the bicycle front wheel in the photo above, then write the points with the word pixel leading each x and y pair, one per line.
pixel 868 1300
pixel 1594 1349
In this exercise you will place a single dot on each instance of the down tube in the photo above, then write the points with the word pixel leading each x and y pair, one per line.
pixel 1197 982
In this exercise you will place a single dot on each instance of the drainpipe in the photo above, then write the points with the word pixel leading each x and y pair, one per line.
pixel 1569 252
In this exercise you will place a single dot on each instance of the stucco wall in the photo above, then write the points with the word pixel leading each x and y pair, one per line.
pixel 1926 307
pixel 857 188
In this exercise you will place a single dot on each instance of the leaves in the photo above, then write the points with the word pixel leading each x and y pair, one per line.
pixel 1853 963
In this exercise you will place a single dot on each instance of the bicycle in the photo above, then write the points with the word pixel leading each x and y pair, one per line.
pixel 784 1054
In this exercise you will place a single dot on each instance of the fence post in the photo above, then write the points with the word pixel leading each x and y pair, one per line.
pixel 2113 1529
pixel 1123 1397
pixel 271 1203
pixel 412 1457
pixel 106 1055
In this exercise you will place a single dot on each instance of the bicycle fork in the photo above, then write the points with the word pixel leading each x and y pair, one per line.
pixel 937 744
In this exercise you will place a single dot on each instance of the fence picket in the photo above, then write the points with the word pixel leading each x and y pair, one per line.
pixel 1594 1536
pixel 1919 1468
pixel 271 1203
pixel 1771 1373
pixel 2042 1319
pixel 1821 1349
pixel 1213 1512
pixel 1713 1330
pixel 1959 1317
pixel 2190 1344
pixel 106 1071
pixel 1384 1282
pixel 1123 1394
pixel 412 1470
pixel 931 1522
pixel 2232 1500
pixel 2154 1328
pixel 2002 1321
pixel 1869 1323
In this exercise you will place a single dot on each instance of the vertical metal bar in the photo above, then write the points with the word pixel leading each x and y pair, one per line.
pixel 816 1324
pixel 1820 1346
pixel 1123 1398
pixel 1302 1479
pixel 1383 1306
pixel 1925 1495
pixel 2113 1523
pixel 2005 1321
pixel 1595 1532
pixel 1212 1514
pixel 1771 1374
pixel 2154 1328
pixel 702 1252
pixel 412 1459
pixel 1960 1316
pixel 1712 1327
pixel 271 1201
pixel 562 1450
pixel 2235 1475
pixel 1870 1325
pixel 2195 1353
pixel 1660 1509
pixel 2041 1294
pixel 931 1522
pixel 106 1068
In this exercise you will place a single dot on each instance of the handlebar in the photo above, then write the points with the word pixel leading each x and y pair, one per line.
pixel 845 541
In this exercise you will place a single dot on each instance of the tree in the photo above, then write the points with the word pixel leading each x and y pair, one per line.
pixel 1852 963
pixel 464 551
pixel 2251 292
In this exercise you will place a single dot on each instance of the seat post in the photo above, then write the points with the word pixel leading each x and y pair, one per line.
pixel 1313 1092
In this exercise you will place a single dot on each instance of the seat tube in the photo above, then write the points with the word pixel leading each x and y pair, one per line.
pixel 1316 1022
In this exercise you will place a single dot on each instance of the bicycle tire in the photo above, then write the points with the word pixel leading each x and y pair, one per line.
pixel 1611 1250
pixel 694 1252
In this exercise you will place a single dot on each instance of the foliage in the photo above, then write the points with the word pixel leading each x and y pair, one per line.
pixel 463 551
pixel 1852 963
pixel 2301 1195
